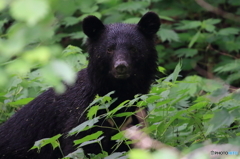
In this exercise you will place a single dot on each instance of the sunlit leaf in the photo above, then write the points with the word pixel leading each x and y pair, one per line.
pixel 88 137
pixel 31 11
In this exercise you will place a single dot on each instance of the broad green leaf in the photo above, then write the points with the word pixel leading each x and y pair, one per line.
pixel 88 6
pixel 3 4
pixel 163 102
pixel 30 11
pixel 132 6
pixel 53 141
pixel 209 24
pixel 198 105
pixel 92 111
pixel 21 101
pixel 141 103
pixel 83 125
pixel 186 52
pixel 115 155
pixel 19 67
pixel 168 35
pixel 186 24
pixel 88 137
pixel 166 18
pixel 228 31
pixel 39 55
pixel 124 114
pixel 72 50
pixel 153 98
pixel 212 21
pixel 194 39
pixel 162 69
pixel 139 154
pixel 63 70
pixel 132 20
pixel 3 78
pixel 91 142
pixel 165 153
pixel 77 35
pixel 234 2
pixel 221 118
pixel 233 65
pixel 209 27
pixel 118 136
pixel 69 21
pixel 176 71
pixel 75 154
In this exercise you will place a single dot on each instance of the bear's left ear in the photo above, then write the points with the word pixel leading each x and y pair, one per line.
pixel 92 26
pixel 149 24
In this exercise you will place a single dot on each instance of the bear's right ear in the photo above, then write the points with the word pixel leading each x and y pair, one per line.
pixel 149 24
pixel 92 26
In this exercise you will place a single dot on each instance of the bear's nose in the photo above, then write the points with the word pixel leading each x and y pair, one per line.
pixel 121 67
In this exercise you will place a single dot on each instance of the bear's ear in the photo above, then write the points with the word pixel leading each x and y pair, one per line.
pixel 92 26
pixel 149 24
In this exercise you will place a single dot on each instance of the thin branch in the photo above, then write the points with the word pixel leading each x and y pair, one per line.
pixel 222 53
pixel 218 11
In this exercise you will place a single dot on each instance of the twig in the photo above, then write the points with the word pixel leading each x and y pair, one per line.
pixel 222 53
pixel 218 11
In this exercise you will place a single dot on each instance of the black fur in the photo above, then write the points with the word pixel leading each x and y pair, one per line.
pixel 122 58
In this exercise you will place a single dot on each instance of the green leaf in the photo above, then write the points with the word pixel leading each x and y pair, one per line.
pixel 168 35
pixel 88 137
pixel 115 155
pixel 21 102
pixel 234 2
pixel 209 24
pixel 166 18
pixel 88 6
pixel 209 27
pixel 220 119
pixel 91 141
pixel 176 71
pixel 139 154
pixel 79 153
pixel 231 66
pixel 194 39
pixel 198 105
pixel 124 114
pixel 63 70
pixel 166 153
pixel 186 24
pixel 41 143
pixel 39 55
pixel 153 98
pixel 83 125
pixel 3 4
pixel 228 31
pixel 118 136
pixel 186 52
pixel 132 6
pixel 162 69
pixel 69 21
pixel 92 111
pixel 132 20
pixel 70 49
pixel 30 11
pixel 212 21
pixel 77 35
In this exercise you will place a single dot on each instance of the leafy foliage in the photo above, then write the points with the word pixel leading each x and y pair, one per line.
pixel 198 100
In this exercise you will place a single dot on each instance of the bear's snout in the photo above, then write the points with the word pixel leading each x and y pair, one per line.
pixel 121 69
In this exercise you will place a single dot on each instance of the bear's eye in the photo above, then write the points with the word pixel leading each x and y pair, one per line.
pixel 133 50
pixel 109 50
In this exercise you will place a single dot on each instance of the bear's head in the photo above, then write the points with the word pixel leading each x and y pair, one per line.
pixel 122 52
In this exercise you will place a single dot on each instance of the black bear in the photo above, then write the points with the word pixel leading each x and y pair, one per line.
pixel 122 58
